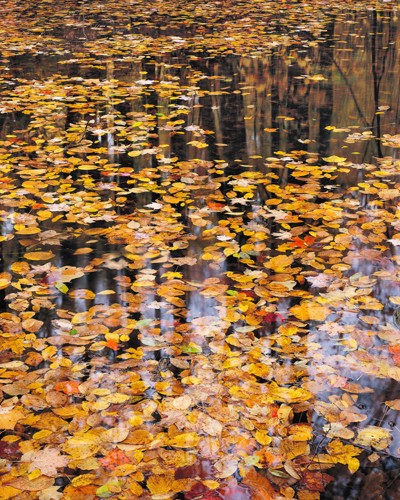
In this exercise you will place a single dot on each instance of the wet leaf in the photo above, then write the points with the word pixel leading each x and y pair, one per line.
pixel 260 486
pixel 310 311
pixel 334 159
pixel 185 440
pixel 39 255
pixel 115 435
pixel 47 461
pixel 377 438
pixel 9 416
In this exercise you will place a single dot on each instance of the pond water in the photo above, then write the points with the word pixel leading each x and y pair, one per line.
pixel 199 252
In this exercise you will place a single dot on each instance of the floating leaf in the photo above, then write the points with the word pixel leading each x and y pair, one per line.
pixel 39 255
pixel 310 311
pixel 334 159
pixel 185 440
pixel 62 287
pixel 375 437
pixel 115 435
pixel 261 488
pixel 9 417
pixel 48 461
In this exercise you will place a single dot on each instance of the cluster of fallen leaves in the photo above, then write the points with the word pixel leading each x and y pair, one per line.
pixel 176 321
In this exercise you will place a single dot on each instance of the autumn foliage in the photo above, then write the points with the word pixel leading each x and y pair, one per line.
pixel 199 285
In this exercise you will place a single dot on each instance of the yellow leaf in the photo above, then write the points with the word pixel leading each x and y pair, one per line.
pixel 190 380
pixel 9 417
pixel 293 449
pixel 8 492
pixel 171 275
pixel 39 255
pixel 343 454
pixel 231 315
pixel 280 263
pixel 82 317
pixel 185 440
pixel 198 144
pixel 116 398
pixel 124 470
pixel 374 437
pixel 353 465
pixel 115 435
pixel 301 432
pixel 159 484
pixel 334 159
pixel 20 267
pixel 310 311
pixel 83 479
pixel 262 437
pixel 21 229
pixel 288 394
pixel 135 489
pixel 83 446
pixel 135 420
pixel 316 78
pixel 5 280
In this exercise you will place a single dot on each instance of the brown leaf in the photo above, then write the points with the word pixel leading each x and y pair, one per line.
pixel 260 486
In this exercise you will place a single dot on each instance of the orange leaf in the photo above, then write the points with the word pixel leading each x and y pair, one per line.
pixel 68 387
pixel 261 488
pixel 316 481
pixel 308 310
pixel 114 458
pixel 214 205
pixel 112 344
pixel 394 349
pixel 5 280
pixel 298 242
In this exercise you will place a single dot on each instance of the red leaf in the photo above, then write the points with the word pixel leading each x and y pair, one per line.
pixel 273 318
pixel 202 469
pixel 9 451
pixel 198 490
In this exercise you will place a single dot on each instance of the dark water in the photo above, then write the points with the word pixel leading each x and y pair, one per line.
pixel 258 116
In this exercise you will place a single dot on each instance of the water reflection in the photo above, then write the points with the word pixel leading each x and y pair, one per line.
pixel 166 254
